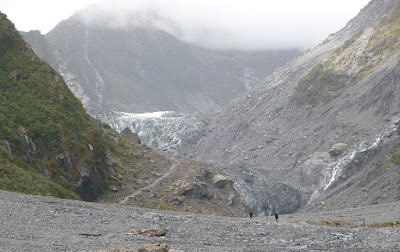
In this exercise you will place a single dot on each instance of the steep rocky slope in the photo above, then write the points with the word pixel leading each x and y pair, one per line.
pixel 303 134
pixel 142 69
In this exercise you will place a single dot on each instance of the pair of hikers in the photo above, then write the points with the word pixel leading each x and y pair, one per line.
pixel 276 216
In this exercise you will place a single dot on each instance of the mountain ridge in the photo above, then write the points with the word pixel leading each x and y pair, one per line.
pixel 145 70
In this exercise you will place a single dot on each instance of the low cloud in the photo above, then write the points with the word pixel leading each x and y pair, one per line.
pixel 234 24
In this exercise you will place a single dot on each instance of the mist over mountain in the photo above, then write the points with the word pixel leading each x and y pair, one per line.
pixel 144 69
pixel 225 25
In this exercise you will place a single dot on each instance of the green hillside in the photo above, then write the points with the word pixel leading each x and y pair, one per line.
pixel 48 144
pixel 351 62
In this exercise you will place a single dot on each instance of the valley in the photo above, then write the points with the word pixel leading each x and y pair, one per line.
pixel 153 132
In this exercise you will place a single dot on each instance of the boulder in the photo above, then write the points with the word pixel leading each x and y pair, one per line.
pixel 153 232
pixel 133 136
pixel 338 149
pixel 221 181
pixel 197 190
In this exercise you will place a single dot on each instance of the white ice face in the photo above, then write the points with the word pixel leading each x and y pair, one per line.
pixel 165 131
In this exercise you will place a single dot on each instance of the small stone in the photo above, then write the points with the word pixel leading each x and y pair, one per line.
pixel 113 188
pixel 154 248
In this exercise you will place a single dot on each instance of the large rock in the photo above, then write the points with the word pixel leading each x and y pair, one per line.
pixel 197 190
pixel 338 149
pixel 157 232
pixel 128 133
pixel 221 181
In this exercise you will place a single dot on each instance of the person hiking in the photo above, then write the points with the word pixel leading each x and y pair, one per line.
pixel 251 215
pixel 276 217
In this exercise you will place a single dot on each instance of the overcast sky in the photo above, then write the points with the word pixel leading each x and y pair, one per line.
pixel 221 24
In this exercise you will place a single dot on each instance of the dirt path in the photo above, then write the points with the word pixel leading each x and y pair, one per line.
pixel 155 182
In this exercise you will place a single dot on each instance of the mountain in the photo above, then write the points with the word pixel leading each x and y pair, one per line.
pixel 142 69
pixel 322 130
pixel 51 146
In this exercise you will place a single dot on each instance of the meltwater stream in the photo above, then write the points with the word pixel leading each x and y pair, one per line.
pixel 331 175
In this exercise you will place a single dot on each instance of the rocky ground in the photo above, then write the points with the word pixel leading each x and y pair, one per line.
pixel 190 186
pixel 35 223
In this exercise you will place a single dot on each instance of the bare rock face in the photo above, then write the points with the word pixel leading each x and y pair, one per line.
pixel 29 147
pixel 338 149
pixel 9 146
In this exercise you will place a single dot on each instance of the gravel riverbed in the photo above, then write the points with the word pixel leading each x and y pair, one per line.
pixel 36 223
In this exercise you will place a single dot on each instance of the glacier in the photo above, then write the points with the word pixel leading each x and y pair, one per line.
pixel 168 132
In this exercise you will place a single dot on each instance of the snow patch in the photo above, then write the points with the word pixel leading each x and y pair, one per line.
pixel 157 114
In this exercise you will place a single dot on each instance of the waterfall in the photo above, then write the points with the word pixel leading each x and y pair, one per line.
pixel 335 172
